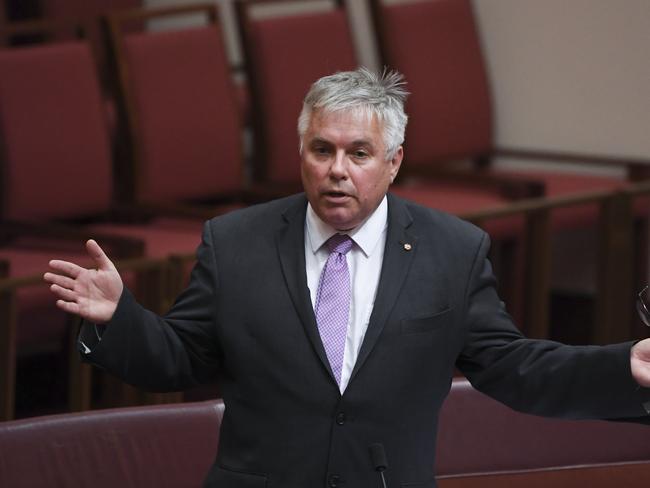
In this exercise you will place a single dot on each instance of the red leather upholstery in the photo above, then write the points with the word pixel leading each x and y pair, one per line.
pixel 479 435
pixel 480 443
pixel 188 128
pixel 287 55
pixel 170 446
pixel 629 475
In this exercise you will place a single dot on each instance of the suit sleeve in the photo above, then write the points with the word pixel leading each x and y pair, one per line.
pixel 167 353
pixel 538 376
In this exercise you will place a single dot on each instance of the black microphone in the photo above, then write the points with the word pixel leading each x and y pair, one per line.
pixel 379 462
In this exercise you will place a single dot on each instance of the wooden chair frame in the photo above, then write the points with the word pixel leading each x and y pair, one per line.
pixel 616 277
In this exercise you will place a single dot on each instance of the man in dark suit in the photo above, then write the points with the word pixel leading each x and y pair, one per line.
pixel 334 319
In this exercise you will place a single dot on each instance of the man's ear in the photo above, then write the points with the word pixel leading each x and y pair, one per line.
pixel 396 163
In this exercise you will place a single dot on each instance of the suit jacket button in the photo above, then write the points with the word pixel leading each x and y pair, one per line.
pixel 334 481
pixel 340 418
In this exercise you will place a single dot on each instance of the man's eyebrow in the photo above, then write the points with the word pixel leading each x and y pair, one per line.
pixel 355 143
pixel 362 142
pixel 319 140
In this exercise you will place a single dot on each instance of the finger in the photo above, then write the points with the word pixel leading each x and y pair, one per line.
pixel 66 267
pixel 69 307
pixel 64 293
pixel 60 280
pixel 98 255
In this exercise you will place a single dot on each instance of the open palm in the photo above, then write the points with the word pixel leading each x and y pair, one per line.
pixel 90 293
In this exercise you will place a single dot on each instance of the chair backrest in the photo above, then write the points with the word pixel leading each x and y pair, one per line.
pixel 284 55
pixel 479 435
pixel 435 45
pixel 91 13
pixel 181 107
pixel 170 445
pixel 55 160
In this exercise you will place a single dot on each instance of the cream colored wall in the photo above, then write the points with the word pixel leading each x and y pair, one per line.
pixel 570 74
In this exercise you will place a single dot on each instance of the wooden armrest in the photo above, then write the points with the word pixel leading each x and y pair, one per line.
pixel 122 246
pixel 508 186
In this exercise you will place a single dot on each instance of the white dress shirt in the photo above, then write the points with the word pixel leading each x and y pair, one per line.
pixel 364 262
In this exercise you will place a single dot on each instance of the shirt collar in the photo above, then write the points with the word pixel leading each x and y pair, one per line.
pixel 366 235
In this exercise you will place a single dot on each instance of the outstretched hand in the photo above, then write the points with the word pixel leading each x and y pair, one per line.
pixel 640 362
pixel 90 293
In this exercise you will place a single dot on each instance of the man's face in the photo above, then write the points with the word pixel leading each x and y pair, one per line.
pixel 345 173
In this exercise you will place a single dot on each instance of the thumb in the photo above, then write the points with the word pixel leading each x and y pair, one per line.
pixel 99 256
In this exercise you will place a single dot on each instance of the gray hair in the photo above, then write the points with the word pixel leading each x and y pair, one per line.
pixel 380 94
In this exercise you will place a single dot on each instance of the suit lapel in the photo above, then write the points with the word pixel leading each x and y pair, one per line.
pixel 290 241
pixel 399 251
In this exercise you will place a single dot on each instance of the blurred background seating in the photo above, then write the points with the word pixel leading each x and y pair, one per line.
pixel 168 119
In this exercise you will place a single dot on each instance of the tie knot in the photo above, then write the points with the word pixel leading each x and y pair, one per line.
pixel 340 243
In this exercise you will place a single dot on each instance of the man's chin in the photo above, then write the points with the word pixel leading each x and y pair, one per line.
pixel 339 220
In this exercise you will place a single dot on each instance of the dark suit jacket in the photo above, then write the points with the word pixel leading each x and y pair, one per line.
pixel 247 318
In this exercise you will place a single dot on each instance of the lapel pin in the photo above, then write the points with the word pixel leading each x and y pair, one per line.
pixel 407 246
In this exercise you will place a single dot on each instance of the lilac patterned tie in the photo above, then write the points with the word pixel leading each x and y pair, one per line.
pixel 333 302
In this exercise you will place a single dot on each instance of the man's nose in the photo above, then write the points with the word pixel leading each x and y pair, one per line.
pixel 339 167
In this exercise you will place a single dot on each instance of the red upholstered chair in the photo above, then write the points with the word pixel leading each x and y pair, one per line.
pixel 91 13
pixel 50 95
pixel 284 54
pixel 57 166
pixel 182 119
pixel 435 44
pixel 182 114
pixel 484 443
pixel 165 445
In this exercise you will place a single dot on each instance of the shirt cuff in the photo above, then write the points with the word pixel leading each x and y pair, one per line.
pixel 90 336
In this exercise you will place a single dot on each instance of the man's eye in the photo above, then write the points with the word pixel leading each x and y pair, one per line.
pixel 320 150
pixel 360 154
